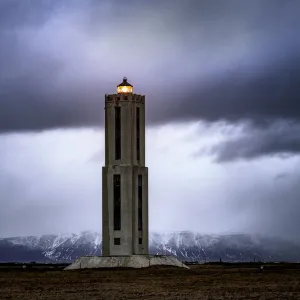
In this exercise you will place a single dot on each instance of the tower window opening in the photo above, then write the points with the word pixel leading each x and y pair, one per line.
pixel 117 201
pixel 117 241
pixel 117 132
pixel 140 241
pixel 140 202
pixel 138 150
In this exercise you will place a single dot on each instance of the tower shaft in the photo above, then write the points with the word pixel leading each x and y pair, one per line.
pixel 124 177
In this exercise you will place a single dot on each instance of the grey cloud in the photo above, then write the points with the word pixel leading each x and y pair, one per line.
pixel 272 209
pixel 234 62
pixel 260 97
pixel 97 157
pixel 39 110
pixel 216 61
pixel 46 183
pixel 15 13
pixel 282 176
pixel 263 84
pixel 53 179
pixel 279 138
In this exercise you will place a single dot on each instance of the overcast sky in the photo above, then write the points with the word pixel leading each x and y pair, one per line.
pixel 222 86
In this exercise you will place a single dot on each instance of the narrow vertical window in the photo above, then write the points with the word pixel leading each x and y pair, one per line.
pixel 117 132
pixel 117 202
pixel 138 133
pixel 140 202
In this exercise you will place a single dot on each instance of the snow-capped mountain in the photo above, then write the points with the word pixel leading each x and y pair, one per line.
pixel 187 246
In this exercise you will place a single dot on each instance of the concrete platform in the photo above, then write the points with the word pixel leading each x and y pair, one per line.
pixel 134 261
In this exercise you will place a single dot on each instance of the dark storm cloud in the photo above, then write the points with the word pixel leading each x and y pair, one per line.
pixel 209 60
pixel 277 139
pixel 27 104
pixel 262 96
pixel 263 84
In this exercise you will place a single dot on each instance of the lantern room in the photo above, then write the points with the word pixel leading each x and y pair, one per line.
pixel 124 87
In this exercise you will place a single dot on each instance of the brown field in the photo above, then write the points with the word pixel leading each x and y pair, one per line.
pixel 200 282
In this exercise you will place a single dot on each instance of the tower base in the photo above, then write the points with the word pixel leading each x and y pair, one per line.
pixel 133 261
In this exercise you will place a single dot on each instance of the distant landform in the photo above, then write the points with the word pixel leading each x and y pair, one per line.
pixel 186 246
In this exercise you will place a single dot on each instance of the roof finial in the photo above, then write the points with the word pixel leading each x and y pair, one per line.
pixel 124 87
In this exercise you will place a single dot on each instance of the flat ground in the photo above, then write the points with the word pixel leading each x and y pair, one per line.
pixel 200 282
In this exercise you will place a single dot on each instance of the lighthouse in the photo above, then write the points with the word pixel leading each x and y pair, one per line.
pixel 125 229
pixel 125 175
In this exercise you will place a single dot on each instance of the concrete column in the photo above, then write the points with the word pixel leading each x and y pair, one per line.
pixel 129 169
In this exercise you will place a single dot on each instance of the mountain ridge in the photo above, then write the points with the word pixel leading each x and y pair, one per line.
pixel 185 245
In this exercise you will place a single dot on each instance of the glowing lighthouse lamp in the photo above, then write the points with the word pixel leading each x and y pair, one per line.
pixel 124 87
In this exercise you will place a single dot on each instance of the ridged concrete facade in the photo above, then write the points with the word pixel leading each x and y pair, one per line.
pixel 133 240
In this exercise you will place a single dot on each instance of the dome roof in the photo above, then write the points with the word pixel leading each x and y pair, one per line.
pixel 125 83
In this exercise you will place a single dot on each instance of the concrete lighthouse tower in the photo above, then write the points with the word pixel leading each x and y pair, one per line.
pixel 125 230
pixel 124 176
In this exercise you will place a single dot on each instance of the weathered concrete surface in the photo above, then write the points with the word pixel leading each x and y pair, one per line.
pixel 133 261
pixel 132 240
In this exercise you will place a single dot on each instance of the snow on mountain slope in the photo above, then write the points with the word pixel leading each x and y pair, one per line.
pixel 185 245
